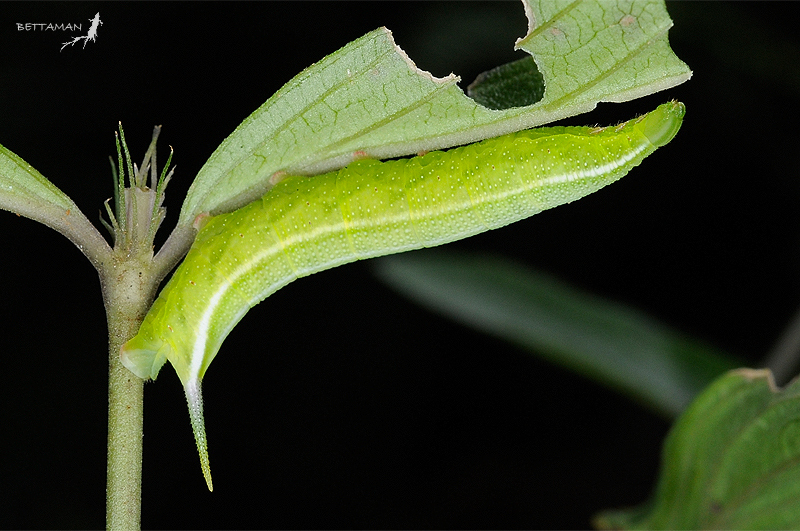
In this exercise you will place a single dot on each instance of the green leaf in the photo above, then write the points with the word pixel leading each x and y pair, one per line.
pixel 601 51
pixel 369 99
pixel 732 461
pixel 514 84
pixel 26 192
pixel 603 340
pixel 23 189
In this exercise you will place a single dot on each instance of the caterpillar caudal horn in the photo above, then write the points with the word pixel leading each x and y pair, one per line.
pixel 367 209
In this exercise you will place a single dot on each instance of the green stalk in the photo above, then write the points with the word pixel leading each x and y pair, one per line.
pixel 125 415
pixel 129 278
pixel 127 294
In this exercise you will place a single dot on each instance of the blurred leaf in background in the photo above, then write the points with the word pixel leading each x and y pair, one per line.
pixel 612 344
pixel 732 461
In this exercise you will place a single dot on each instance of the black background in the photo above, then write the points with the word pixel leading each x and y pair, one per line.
pixel 337 403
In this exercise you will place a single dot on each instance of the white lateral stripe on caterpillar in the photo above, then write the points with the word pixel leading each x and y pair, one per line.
pixel 199 350
pixel 597 171
pixel 370 208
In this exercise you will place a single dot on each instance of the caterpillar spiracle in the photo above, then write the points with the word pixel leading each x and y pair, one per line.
pixel 367 209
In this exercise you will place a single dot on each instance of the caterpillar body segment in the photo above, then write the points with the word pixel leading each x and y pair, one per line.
pixel 367 209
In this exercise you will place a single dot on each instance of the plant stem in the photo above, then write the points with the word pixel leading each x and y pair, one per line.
pixel 125 414
pixel 130 277
pixel 128 291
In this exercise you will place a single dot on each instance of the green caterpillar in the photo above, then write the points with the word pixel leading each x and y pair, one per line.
pixel 371 208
